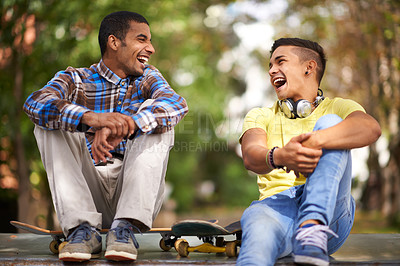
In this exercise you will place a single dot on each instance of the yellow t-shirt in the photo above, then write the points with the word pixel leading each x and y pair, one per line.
pixel 281 129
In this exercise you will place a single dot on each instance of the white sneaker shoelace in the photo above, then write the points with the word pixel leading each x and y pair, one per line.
pixel 315 236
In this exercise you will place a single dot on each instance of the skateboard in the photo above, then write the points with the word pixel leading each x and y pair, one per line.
pixel 166 243
pixel 212 234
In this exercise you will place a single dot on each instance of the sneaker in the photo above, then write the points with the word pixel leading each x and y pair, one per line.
pixel 121 243
pixel 311 245
pixel 83 244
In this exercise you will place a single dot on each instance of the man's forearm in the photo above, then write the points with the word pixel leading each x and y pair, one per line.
pixel 357 130
pixel 254 159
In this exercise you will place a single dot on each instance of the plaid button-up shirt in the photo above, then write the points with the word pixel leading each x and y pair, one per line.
pixel 62 102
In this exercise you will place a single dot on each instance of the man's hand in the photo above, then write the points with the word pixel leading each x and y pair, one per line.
pixel 120 125
pixel 297 157
pixel 103 142
pixel 111 128
pixel 294 155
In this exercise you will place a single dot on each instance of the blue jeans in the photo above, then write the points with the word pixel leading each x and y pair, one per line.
pixel 269 225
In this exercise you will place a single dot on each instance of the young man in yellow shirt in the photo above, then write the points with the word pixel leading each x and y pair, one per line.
pixel 300 149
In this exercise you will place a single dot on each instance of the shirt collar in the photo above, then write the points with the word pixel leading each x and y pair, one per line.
pixel 106 73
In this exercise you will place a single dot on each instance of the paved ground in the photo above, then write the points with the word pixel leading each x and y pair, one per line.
pixel 360 249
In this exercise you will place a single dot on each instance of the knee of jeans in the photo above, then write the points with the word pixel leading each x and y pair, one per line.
pixel 263 232
pixel 327 121
pixel 259 219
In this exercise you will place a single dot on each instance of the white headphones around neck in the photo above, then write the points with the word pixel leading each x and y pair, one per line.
pixel 301 108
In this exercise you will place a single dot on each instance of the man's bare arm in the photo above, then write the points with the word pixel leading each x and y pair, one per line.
pixel 254 150
pixel 357 130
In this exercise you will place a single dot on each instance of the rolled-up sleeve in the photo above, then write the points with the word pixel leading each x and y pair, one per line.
pixel 167 109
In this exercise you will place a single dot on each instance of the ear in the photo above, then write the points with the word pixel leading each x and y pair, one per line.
pixel 113 42
pixel 311 66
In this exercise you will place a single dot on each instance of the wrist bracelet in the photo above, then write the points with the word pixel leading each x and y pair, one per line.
pixel 270 159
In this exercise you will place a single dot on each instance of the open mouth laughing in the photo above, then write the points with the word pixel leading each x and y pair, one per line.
pixel 279 82
pixel 143 60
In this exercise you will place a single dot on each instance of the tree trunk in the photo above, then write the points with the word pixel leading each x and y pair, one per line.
pixel 391 173
pixel 22 167
pixel 372 195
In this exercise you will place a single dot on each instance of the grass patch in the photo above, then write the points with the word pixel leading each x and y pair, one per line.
pixel 372 222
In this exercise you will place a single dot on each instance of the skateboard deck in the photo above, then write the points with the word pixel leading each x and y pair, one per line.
pixel 212 235
pixel 166 243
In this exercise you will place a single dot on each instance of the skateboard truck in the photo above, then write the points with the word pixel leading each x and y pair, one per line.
pixel 211 234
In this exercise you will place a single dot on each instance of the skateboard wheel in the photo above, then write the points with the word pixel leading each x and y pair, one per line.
pixel 62 245
pixel 164 246
pixel 220 242
pixel 54 245
pixel 231 249
pixel 181 246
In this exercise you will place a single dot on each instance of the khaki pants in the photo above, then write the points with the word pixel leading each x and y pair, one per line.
pixel 131 188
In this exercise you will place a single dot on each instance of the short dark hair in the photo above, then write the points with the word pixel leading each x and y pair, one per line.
pixel 308 50
pixel 117 24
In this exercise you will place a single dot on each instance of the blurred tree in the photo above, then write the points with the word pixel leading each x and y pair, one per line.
pixel 17 37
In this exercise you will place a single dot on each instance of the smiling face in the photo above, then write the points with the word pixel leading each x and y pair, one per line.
pixel 132 53
pixel 287 75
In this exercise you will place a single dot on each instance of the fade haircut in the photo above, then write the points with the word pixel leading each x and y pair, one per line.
pixel 307 50
pixel 117 24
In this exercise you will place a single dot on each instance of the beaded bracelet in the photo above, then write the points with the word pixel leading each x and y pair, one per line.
pixel 270 159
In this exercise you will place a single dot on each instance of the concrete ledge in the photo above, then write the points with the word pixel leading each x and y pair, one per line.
pixel 359 249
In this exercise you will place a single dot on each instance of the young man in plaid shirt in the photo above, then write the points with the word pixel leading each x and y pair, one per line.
pixel 104 134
